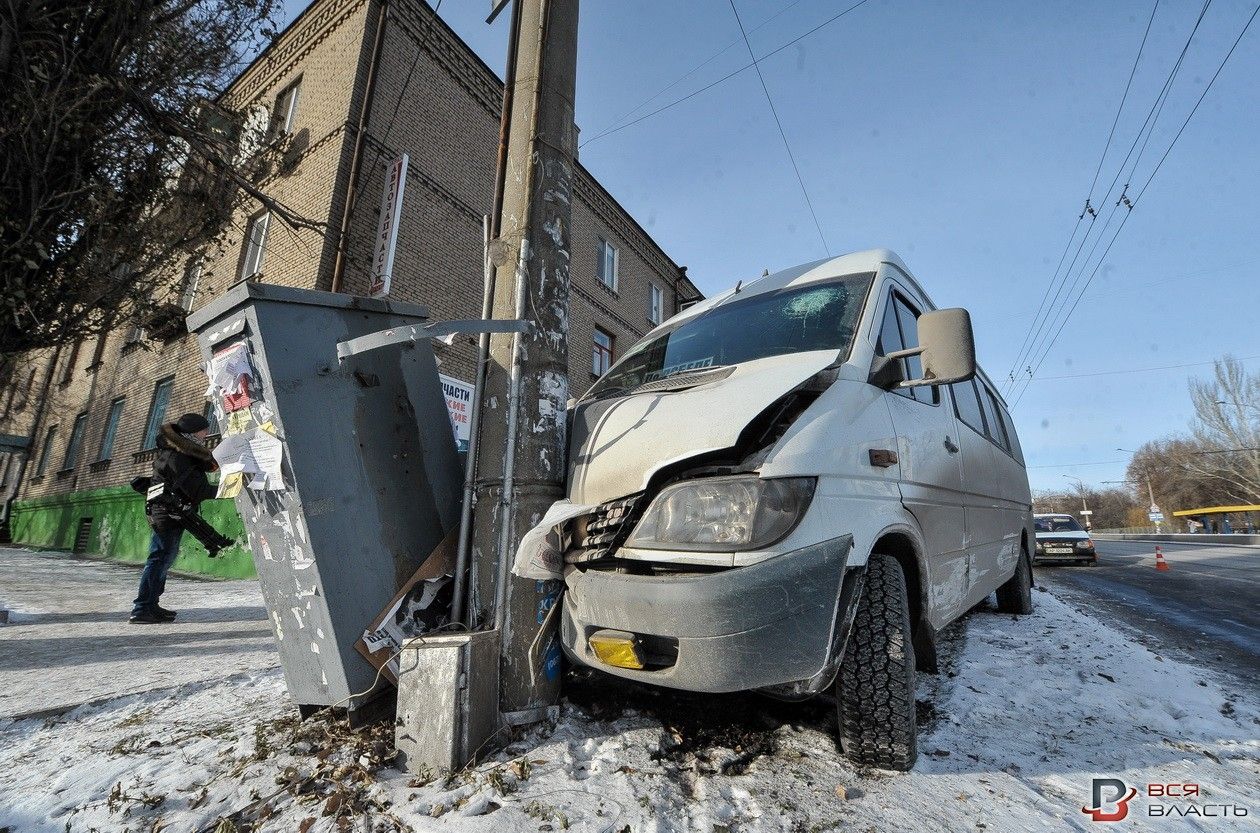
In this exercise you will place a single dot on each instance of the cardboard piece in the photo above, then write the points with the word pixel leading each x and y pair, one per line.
pixel 383 638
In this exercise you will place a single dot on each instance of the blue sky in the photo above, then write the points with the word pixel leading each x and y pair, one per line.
pixel 964 137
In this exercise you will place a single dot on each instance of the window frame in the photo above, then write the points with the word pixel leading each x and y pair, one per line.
pixel 656 304
pixel 109 434
pixel 152 427
pixel 894 294
pixel 602 265
pixel 249 271
pixel 280 126
pixel 599 350
pixel 75 444
pixel 980 430
pixel 46 450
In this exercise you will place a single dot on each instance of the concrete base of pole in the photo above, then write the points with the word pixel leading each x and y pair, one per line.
pixel 448 701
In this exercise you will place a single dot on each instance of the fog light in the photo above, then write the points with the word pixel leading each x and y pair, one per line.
pixel 616 648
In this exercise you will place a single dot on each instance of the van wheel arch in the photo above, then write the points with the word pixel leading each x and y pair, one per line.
pixel 902 545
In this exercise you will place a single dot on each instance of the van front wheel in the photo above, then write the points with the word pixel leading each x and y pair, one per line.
pixel 875 688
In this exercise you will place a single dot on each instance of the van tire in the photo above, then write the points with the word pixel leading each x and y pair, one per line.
pixel 1015 596
pixel 875 688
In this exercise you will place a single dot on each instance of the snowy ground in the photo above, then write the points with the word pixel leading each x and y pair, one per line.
pixel 1024 713
pixel 68 641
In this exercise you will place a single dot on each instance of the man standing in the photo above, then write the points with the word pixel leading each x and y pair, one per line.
pixel 179 485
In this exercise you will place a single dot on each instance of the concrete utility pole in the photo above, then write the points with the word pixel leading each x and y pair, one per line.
pixel 521 447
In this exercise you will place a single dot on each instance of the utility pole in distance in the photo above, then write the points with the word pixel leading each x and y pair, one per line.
pixel 521 448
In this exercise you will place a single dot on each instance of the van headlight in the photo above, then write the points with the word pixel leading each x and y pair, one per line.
pixel 724 513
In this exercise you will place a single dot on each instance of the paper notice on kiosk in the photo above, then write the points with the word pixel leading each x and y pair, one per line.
pixel 268 453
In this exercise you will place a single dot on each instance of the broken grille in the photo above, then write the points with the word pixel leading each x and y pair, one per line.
pixel 599 533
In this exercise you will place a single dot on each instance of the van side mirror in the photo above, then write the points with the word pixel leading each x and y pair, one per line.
pixel 946 347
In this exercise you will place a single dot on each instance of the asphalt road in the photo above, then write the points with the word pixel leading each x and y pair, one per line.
pixel 1205 609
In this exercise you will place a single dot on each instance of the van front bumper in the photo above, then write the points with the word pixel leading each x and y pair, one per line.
pixel 762 625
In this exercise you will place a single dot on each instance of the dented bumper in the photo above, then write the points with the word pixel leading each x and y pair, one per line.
pixel 763 625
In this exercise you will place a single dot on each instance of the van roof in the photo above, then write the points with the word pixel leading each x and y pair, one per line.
pixel 817 270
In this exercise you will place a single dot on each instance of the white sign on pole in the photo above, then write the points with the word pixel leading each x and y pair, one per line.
pixel 459 405
pixel 387 227
pixel 1155 517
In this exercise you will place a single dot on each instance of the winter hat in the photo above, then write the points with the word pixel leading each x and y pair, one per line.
pixel 191 424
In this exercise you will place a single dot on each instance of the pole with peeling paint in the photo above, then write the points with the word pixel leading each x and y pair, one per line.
pixel 521 450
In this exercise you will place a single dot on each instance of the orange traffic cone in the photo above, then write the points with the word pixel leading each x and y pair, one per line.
pixel 1160 563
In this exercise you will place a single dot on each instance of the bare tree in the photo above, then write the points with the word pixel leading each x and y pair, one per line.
pixel 116 160
pixel 1227 429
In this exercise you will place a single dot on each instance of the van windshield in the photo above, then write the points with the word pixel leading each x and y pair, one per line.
pixel 817 316
pixel 1061 524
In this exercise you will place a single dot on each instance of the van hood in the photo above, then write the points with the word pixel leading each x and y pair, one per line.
pixel 617 444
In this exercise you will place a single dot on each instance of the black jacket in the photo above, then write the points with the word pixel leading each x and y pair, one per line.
pixel 181 465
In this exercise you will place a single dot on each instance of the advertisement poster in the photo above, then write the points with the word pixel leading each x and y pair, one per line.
pixel 459 405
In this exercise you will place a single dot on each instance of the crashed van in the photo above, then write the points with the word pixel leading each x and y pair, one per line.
pixel 792 488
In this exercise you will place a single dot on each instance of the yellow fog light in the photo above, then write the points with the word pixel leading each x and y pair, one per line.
pixel 616 648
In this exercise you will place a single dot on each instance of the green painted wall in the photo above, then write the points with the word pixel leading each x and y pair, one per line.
pixel 120 530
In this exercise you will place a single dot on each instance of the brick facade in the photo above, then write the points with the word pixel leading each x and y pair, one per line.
pixel 435 100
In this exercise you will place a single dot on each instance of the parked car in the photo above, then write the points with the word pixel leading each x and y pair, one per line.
pixel 793 487
pixel 1060 539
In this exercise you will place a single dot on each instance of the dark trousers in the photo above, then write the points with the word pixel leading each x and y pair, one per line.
pixel 163 549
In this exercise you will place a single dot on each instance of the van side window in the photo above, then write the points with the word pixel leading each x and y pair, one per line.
pixel 1016 451
pixel 899 331
pixel 996 432
pixel 967 406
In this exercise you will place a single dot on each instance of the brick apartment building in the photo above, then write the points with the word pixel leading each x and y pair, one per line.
pixel 91 410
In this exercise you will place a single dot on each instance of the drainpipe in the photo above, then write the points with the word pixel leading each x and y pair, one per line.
pixel 339 265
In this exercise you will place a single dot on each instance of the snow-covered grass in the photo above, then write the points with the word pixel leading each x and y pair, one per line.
pixel 1025 712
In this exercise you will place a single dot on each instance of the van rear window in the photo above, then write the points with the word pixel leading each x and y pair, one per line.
pixel 817 316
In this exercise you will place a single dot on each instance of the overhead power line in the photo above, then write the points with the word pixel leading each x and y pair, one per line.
pixel 786 145
pixel 1030 345
pixel 1136 370
pixel 1141 192
pixel 695 69
pixel 726 77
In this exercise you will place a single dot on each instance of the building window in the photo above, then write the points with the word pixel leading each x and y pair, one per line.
pixel 111 428
pixel 656 304
pixel 46 452
pixel 192 276
pixel 211 417
pixel 602 357
pixel 76 440
pixel 282 114
pixel 67 373
pixel 157 411
pixel 26 393
pixel 255 244
pixel 606 269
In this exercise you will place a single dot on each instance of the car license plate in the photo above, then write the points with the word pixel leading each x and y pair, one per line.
pixel 1059 550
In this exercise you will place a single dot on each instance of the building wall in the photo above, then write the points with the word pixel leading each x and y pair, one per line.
pixel 436 101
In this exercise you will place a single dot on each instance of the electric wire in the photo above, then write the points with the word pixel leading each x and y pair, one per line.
pixel 1038 327
pixel 1207 88
pixel 726 77
pixel 614 122
pixel 783 134
pixel 1140 193
pixel 1136 370
pixel 1041 329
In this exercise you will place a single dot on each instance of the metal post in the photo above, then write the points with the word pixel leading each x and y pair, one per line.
pixel 521 453
pixel 470 463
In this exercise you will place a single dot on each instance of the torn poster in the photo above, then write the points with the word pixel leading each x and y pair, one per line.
pixel 541 552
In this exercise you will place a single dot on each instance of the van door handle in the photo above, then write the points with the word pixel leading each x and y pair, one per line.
pixel 882 457
pixel 950 447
